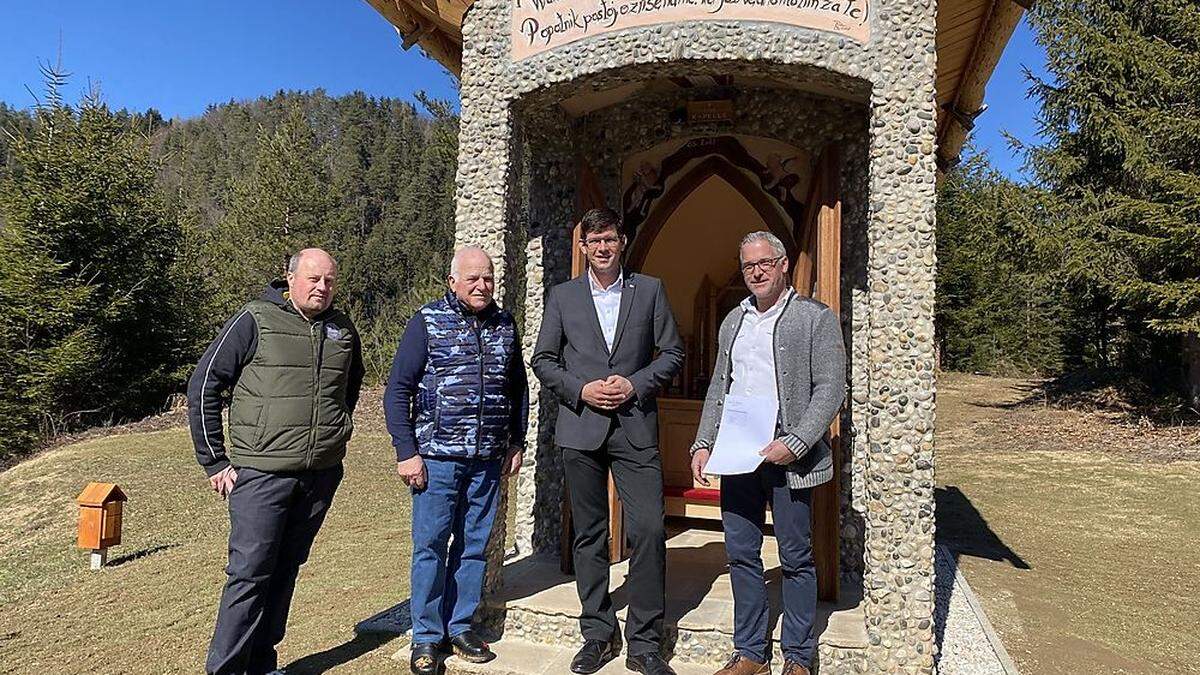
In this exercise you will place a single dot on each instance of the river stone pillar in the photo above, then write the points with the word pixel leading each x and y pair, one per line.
pixel 484 213
pixel 898 575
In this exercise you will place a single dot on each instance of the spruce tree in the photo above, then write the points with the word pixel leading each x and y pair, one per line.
pixel 90 325
pixel 1121 112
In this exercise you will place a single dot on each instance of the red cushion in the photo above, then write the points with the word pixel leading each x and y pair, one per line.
pixel 693 494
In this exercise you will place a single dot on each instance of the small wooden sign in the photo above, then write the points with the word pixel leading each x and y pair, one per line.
pixel 538 26
pixel 100 510
pixel 701 112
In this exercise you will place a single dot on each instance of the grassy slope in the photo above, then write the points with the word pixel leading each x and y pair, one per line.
pixel 154 613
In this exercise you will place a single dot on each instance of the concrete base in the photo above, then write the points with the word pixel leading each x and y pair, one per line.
pixel 538 614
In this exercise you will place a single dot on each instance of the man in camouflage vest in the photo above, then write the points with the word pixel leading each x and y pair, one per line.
pixel 294 366
pixel 456 405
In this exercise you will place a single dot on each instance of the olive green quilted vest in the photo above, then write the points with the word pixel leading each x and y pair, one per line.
pixel 289 407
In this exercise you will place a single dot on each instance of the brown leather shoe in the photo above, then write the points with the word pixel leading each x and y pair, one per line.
pixel 793 668
pixel 740 665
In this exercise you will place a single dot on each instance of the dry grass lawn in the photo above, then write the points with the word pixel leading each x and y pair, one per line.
pixel 153 610
pixel 1078 531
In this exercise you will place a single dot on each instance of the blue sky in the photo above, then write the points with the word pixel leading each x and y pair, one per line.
pixel 181 57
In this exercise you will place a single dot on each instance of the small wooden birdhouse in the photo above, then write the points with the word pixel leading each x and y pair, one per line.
pixel 100 506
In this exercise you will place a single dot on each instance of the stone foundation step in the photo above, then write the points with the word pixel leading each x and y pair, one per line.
pixel 538 604
pixel 517 657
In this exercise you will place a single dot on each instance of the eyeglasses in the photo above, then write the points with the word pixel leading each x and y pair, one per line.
pixel 611 242
pixel 766 265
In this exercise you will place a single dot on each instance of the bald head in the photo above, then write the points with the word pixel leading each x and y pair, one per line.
pixel 294 261
pixel 472 278
pixel 312 280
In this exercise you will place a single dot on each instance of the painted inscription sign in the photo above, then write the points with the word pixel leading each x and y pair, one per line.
pixel 542 25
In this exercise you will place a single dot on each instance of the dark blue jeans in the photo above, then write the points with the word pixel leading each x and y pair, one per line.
pixel 743 512
pixel 447 575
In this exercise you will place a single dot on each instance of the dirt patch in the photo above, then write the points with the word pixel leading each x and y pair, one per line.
pixel 1020 415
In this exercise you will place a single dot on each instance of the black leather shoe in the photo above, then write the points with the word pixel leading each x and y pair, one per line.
pixel 469 647
pixel 424 659
pixel 650 663
pixel 594 654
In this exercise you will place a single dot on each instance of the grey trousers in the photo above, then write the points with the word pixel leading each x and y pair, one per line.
pixel 273 519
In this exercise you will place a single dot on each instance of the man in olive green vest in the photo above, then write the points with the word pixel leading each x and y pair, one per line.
pixel 294 366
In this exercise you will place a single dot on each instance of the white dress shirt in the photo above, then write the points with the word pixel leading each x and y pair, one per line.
pixel 608 305
pixel 754 350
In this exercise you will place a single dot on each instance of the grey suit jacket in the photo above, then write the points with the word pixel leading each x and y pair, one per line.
pixel 571 352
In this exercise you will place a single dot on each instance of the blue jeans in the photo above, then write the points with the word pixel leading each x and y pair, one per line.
pixel 447 576
pixel 743 511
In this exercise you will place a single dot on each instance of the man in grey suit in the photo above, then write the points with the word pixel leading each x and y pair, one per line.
pixel 608 344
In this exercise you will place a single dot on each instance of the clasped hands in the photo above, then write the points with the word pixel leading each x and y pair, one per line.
pixel 607 394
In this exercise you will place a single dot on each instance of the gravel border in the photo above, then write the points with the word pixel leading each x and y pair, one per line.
pixel 967 642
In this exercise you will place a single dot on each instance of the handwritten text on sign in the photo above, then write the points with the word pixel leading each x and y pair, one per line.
pixel 541 25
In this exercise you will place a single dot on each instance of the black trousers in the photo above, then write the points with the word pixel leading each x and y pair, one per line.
pixel 273 518
pixel 638 475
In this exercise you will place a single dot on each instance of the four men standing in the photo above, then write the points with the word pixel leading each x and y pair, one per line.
pixel 456 405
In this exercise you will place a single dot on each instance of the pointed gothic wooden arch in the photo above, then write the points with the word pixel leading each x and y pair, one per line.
pixel 718 166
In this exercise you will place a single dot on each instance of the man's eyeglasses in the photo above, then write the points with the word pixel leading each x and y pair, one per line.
pixel 597 242
pixel 766 265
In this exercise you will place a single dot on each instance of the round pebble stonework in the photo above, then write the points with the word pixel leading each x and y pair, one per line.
pixel 517 198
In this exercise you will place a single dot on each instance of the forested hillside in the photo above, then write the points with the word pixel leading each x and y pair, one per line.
pixel 129 239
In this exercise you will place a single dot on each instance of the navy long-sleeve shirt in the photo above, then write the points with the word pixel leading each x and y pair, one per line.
pixel 408 367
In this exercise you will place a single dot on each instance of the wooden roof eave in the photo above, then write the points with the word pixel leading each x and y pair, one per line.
pixel 435 25
pixel 957 117
pixel 431 33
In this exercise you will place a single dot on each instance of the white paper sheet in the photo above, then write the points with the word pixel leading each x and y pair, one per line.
pixel 747 426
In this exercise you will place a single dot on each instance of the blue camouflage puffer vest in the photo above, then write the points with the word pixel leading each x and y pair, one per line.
pixel 462 407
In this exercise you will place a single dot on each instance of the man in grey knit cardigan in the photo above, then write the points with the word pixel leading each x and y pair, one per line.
pixel 777 346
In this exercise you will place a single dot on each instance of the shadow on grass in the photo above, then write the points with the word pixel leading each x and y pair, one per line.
pixel 137 555
pixel 964 530
pixel 370 634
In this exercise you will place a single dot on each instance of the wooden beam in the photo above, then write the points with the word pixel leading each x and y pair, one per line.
pixel 818 275
pixel 433 35
pixel 826 501
pixel 967 102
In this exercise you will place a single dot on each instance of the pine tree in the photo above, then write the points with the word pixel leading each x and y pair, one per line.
pixel 285 203
pixel 1121 111
pixel 1000 302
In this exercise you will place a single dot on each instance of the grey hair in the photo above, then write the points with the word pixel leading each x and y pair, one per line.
pixel 763 235
pixel 458 255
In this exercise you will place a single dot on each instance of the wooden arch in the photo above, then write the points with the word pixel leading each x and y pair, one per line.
pixel 714 165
